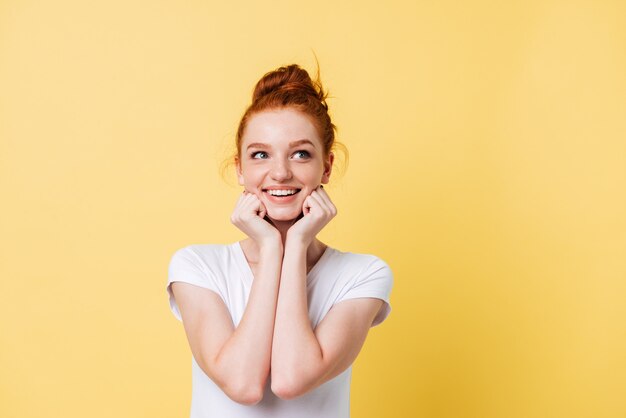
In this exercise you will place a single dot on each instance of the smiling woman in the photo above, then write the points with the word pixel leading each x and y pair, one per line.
pixel 280 171
pixel 274 322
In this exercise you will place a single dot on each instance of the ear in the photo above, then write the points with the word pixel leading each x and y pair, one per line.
pixel 239 171
pixel 328 167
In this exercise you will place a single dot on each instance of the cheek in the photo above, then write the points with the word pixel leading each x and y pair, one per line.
pixel 310 175
pixel 251 176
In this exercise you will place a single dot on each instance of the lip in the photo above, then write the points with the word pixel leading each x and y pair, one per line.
pixel 281 200
pixel 281 188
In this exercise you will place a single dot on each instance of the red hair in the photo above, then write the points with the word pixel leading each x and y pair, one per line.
pixel 291 87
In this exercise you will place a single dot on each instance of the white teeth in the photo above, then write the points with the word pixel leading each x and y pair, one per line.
pixel 281 192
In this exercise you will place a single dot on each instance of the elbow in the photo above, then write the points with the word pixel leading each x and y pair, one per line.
pixel 249 399
pixel 287 389
pixel 285 392
pixel 243 389
pixel 245 394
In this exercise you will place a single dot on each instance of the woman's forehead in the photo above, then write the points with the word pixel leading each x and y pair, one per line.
pixel 281 127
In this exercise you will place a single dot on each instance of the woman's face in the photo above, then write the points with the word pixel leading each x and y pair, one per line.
pixel 281 153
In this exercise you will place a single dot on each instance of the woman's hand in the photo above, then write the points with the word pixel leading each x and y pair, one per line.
pixel 317 211
pixel 248 216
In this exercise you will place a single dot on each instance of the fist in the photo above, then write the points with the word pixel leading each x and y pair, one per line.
pixel 317 211
pixel 248 216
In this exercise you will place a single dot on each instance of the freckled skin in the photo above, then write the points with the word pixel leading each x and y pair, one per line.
pixel 279 164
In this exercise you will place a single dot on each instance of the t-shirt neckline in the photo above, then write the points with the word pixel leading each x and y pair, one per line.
pixel 310 274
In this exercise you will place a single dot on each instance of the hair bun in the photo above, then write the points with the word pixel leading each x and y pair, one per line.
pixel 290 82
pixel 291 87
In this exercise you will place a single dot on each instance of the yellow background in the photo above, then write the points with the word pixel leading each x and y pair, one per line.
pixel 487 166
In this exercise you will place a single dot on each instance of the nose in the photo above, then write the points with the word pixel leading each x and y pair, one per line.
pixel 280 171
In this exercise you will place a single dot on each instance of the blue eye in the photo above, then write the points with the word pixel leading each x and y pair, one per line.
pixel 254 154
pixel 306 153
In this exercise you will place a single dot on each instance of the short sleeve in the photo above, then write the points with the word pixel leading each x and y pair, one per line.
pixel 187 266
pixel 375 281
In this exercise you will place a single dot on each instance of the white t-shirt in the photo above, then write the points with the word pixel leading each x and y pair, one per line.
pixel 335 277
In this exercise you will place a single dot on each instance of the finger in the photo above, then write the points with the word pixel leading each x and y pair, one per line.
pixel 262 210
pixel 240 200
pixel 242 197
pixel 306 205
pixel 236 213
pixel 329 204
pixel 247 205
pixel 320 202
pixel 255 205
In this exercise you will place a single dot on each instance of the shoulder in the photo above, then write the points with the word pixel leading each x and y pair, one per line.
pixel 366 275
pixel 360 274
pixel 203 254
pixel 200 261
pixel 200 265
pixel 205 249
pixel 359 263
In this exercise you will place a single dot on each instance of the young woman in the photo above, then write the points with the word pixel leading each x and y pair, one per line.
pixel 274 322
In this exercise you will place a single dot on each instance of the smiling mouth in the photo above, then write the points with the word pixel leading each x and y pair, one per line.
pixel 281 193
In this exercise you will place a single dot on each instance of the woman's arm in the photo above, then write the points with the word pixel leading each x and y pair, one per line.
pixel 237 359
pixel 303 359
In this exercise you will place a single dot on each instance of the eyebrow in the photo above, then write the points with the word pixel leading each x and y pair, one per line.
pixel 291 144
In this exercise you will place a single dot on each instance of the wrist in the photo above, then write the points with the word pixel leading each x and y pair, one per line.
pixel 271 244
pixel 297 241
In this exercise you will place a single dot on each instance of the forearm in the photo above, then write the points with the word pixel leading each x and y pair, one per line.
pixel 295 351
pixel 244 360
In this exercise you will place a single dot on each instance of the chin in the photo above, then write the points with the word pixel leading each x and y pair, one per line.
pixel 283 216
